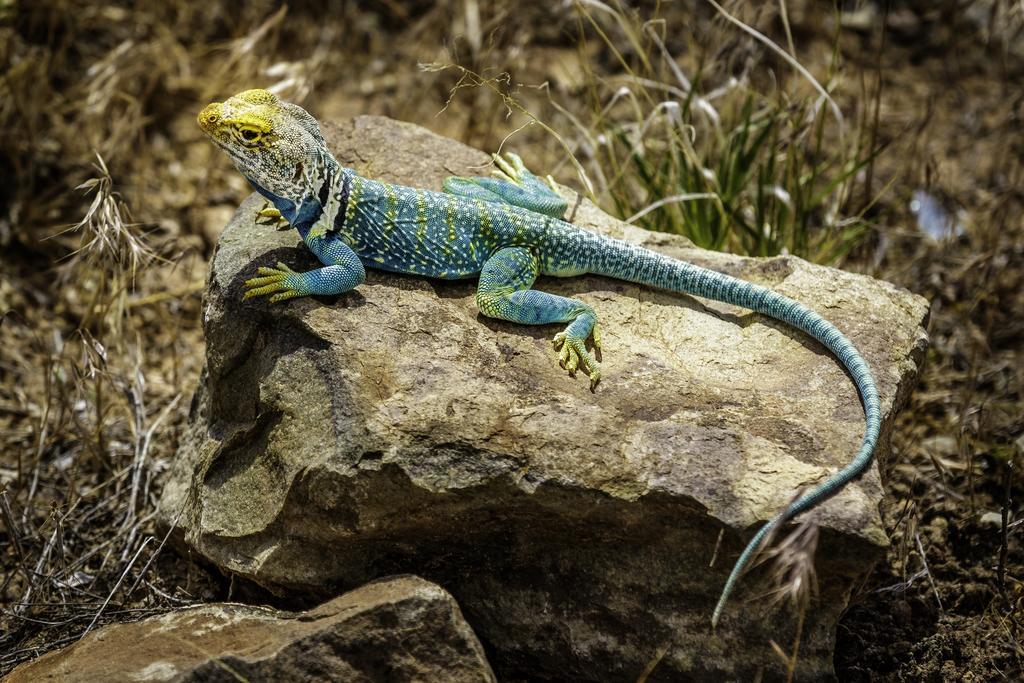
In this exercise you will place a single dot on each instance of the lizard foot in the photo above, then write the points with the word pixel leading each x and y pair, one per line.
pixel 269 215
pixel 281 283
pixel 512 169
pixel 573 354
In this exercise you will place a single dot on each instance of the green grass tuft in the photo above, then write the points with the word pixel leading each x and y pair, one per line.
pixel 759 171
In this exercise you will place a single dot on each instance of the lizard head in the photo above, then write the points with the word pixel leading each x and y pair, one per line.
pixel 274 144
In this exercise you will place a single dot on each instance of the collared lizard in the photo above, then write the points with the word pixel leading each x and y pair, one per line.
pixel 506 231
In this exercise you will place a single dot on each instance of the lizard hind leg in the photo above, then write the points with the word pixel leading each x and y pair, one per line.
pixel 513 184
pixel 504 292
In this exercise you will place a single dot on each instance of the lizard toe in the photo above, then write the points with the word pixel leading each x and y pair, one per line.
pixel 573 355
pixel 270 215
pixel 280 283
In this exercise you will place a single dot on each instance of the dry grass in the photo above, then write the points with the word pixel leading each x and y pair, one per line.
pixel 100 329
pixel 101 336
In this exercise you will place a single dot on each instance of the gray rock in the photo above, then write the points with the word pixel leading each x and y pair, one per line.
pixel 586 535
pixel 399 629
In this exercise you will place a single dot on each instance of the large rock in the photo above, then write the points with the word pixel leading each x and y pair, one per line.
pixel 401 629
pixel 395 429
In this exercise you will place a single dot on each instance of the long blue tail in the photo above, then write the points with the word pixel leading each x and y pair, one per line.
pixel 627 262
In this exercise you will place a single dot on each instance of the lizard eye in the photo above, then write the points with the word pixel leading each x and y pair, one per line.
pixel 249 134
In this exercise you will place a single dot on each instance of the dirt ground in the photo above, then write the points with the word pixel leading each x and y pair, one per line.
pixel 950 479
pixel 97 369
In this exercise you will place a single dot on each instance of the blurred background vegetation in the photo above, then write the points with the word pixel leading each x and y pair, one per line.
pixel 884 137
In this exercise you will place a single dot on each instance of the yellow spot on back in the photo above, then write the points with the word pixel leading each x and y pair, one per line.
pixel 392 212
pixel 519 227
pixel 421 217
pixel 353 198
pixel 485 218
pixel 449 216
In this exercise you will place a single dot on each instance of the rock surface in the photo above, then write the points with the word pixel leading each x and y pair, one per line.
pixel 586 535
pixel 399 629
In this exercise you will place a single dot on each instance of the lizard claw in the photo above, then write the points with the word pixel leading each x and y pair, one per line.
pixel 573 354
pixel 510 167
pixel 281 283
pixel 536 194
pixel 269 215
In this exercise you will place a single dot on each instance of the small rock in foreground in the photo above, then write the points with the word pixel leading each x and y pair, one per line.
pixel 398 629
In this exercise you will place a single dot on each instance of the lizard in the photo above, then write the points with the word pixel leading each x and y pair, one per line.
pixel 504 230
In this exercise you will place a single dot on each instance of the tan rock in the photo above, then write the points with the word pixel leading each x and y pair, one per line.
pixel 396 429
pixel 400 629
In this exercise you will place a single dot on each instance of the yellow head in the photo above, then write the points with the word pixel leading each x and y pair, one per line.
pixel 273 143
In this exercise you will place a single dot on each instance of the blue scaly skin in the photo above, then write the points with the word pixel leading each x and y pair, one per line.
pixel 505 230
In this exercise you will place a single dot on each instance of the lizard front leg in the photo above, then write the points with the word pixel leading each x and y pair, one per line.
pixel 504 292
pixel 343 272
